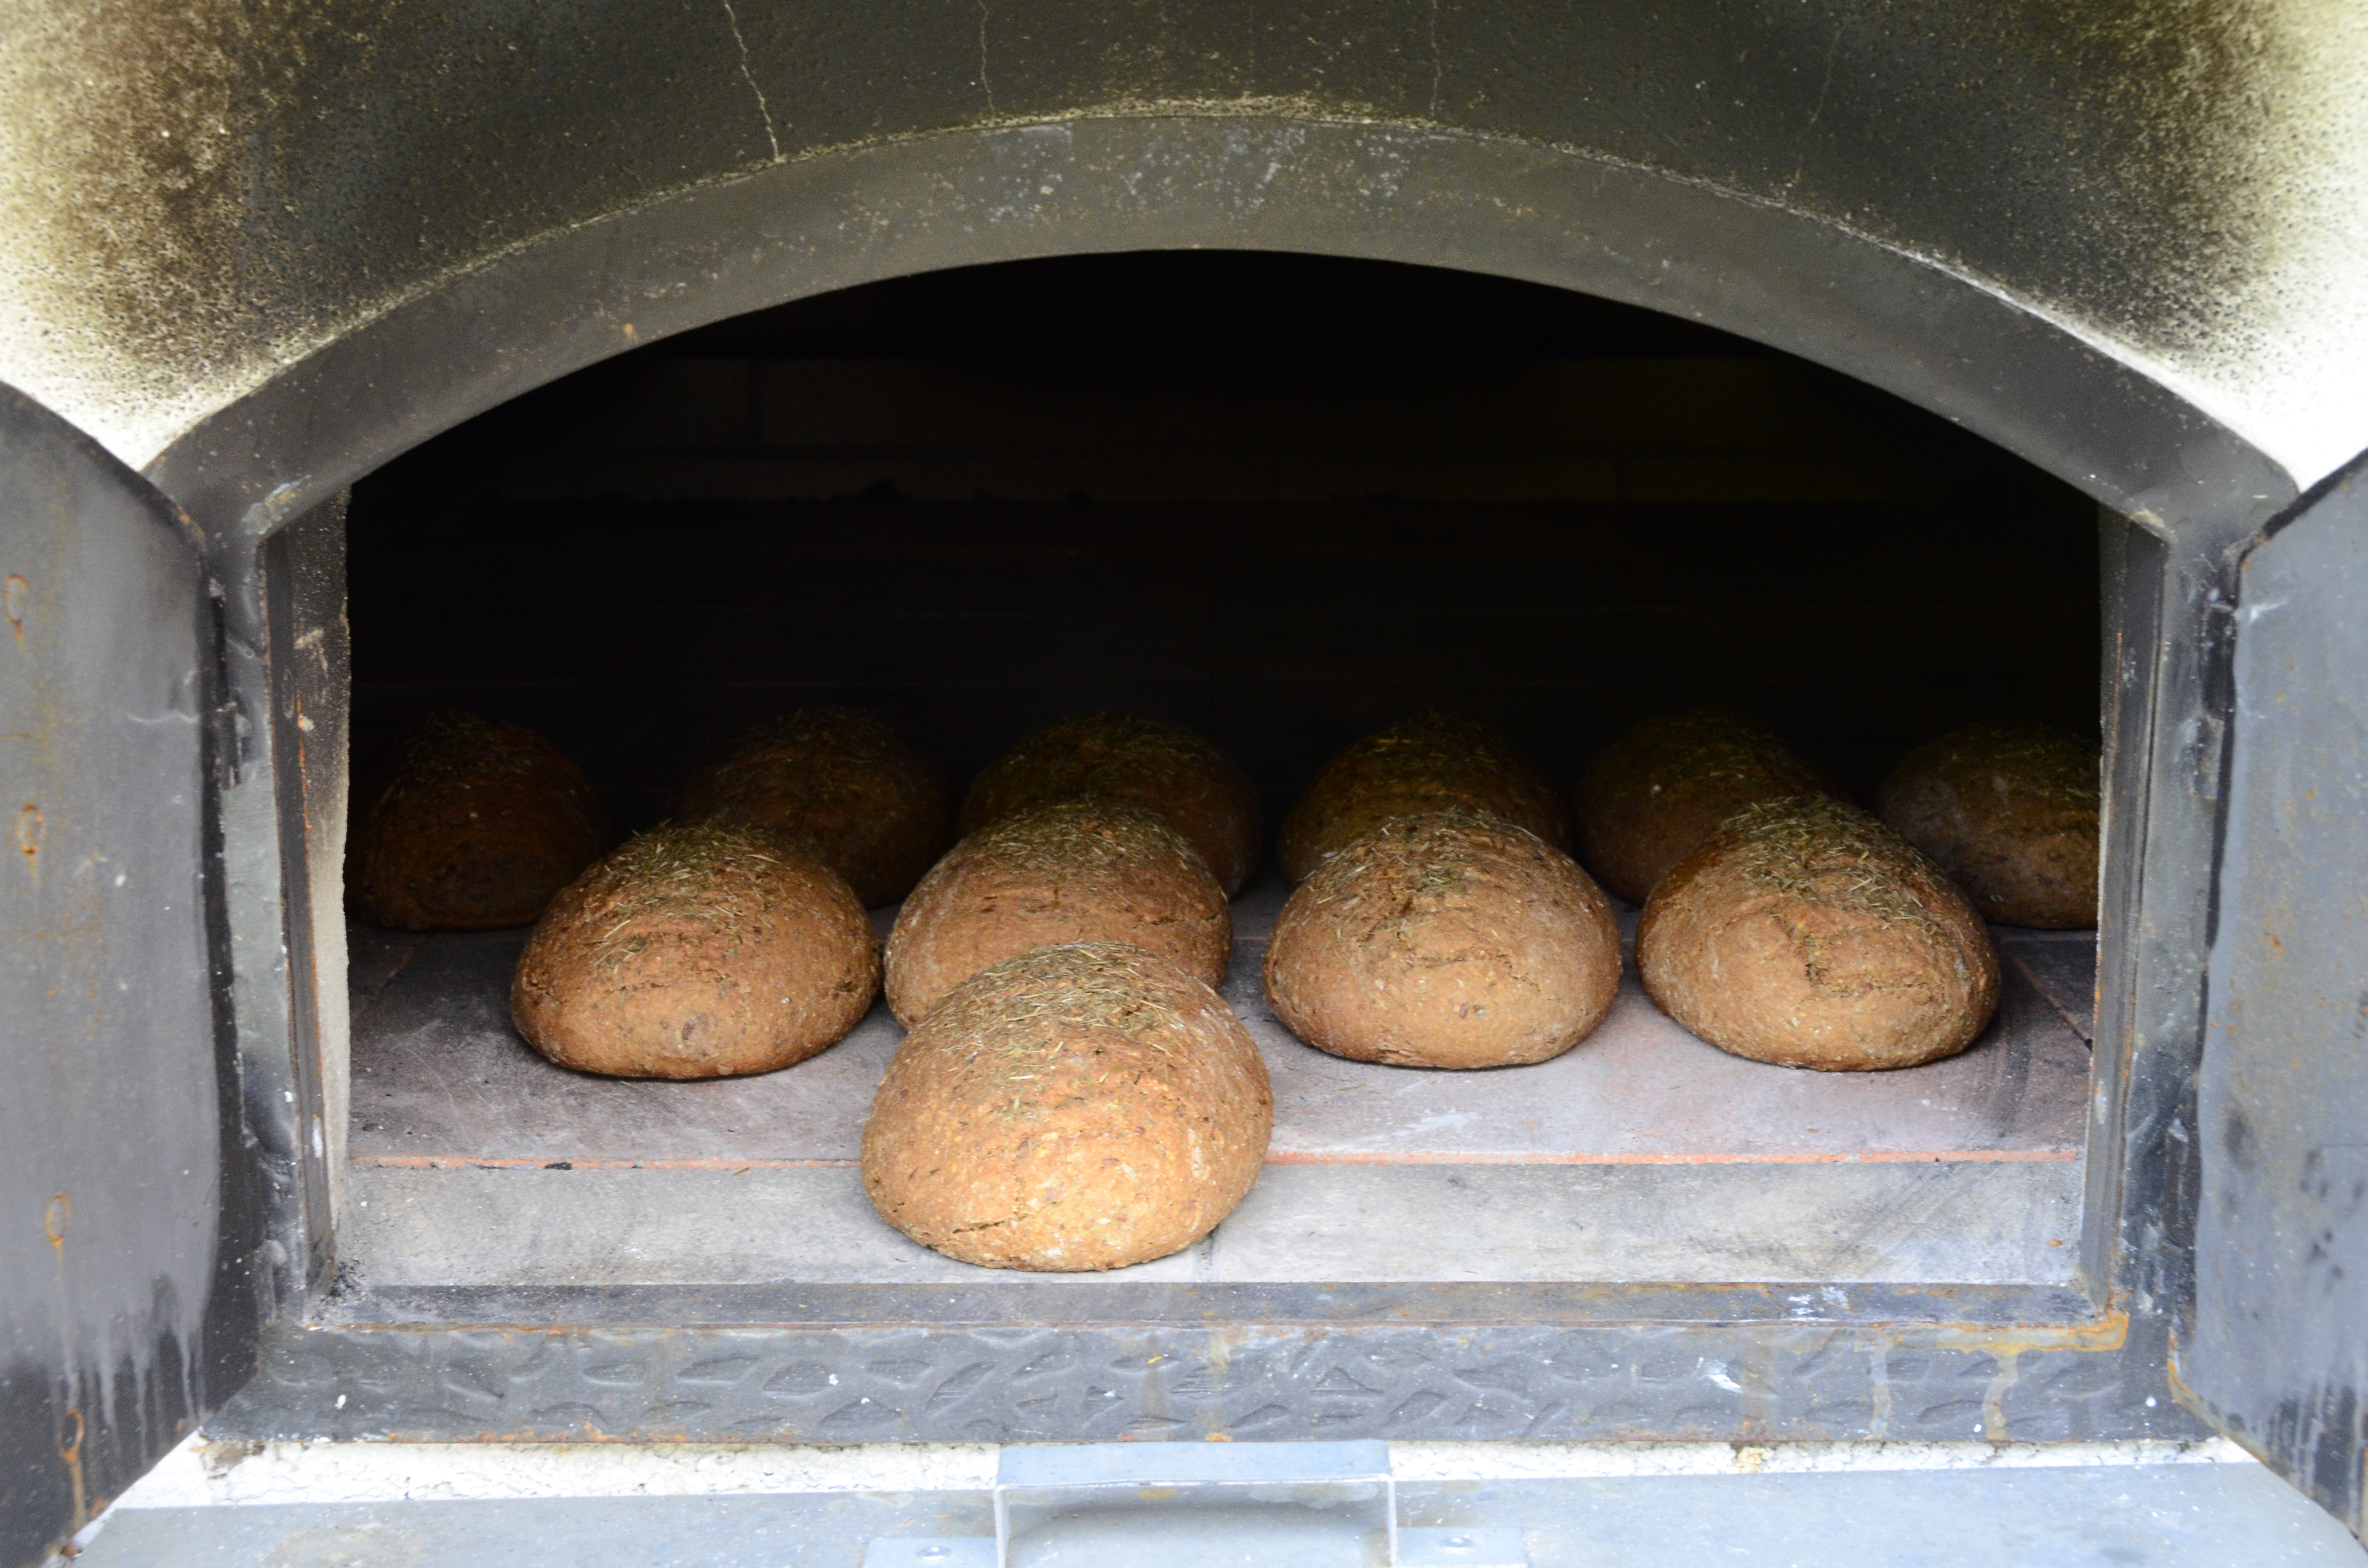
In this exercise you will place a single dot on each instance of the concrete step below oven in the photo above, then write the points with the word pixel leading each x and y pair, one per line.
pixel 521 1509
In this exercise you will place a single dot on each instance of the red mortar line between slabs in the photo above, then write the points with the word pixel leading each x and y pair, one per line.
pixel 1274 1157
pixel 576 1163
pixel 1869 1157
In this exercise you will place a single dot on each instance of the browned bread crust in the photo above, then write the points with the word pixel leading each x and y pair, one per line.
pixel 2010 810
pixel 1425 763
pixel 1662 787
pixel 479 826
pixel 1079 870
pixel 696 950
pixel 1806 933
pixel 1164 767
pixel 1448 939
pixel 1076 1108
pixel 846 787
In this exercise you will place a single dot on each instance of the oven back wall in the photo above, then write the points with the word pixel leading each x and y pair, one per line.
pixel 1241 509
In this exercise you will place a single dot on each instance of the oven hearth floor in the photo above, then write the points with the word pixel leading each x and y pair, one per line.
pixel 1642 1155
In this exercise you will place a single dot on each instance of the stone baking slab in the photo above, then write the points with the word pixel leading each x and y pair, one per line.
pixel 671 1226
pixel 1893 1222
pixel 439 1077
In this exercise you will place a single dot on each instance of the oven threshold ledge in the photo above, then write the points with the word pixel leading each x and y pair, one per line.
pixel 846 1365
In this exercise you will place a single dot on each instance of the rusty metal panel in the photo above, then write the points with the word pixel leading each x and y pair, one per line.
pixel 2280 1350
pixel 126 1211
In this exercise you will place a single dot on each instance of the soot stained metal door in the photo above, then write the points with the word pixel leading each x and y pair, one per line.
pixel 126 1202
pixel 2279 1356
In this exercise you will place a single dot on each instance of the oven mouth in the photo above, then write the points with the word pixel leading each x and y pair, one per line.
pixel 890 492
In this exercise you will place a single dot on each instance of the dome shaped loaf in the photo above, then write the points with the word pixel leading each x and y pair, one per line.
pixel 1078 870
pixel 1424 763
pixel 696 950
pixel 2011 813
pixel 1077 1107
pixel 843 787
pixel 1663 786
pixel 1448 939
pixel 1806 933
pixel 1162 767
pixel 479 824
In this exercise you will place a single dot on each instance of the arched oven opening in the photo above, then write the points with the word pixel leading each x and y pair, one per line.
pixel 1282 500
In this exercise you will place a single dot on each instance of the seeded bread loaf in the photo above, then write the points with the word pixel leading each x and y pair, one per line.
pixel 1661 787
pixel 1078 870
pixel 843 787
pixel 478 825
pixel 2010 812
pixel 1162 767
pixel 1429 763
pixel 1079 1108
pixel 1448 939
pixel 1806 933
pixel 696 950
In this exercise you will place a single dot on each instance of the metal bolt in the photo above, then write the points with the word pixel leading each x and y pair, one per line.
pixel 934 1554
pixel 1457 1543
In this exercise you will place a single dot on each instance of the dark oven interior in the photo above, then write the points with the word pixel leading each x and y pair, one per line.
pixel 1282 500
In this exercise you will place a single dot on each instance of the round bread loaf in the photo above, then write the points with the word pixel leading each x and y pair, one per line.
pixel 843 787
pixel 1448 939
pixel 1425 763
pixel 696 950
pixel 1073 1108
pixel 1663 786
pixel 1163 767
pixel 1806 933
pixel 1079 870
pixel 475 828
pixel 2010 810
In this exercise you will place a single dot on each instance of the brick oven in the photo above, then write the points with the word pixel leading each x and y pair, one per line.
pixel 1275 370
